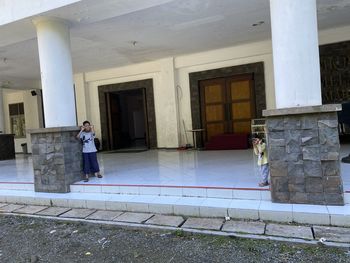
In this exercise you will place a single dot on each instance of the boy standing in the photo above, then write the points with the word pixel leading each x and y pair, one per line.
pixel 259 147
pixel 90 164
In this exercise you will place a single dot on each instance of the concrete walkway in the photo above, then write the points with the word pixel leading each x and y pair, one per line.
pixel 188 206
pixel 315 234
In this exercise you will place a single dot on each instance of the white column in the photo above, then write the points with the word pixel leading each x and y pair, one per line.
pixel 295 53
pixel 56 72
pixel 2 120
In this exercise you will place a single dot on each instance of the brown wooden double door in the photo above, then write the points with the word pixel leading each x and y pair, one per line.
pixel 227 105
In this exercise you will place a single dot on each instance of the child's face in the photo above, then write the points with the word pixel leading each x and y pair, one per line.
pixel 256 141
pixel 87 127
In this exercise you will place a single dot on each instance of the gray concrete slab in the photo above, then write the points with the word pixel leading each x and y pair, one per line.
pixel 203 223
pixel 53 211
pixel 29 209
pixel 104 215
pixel 164 220
pixel 9 208
pixel 302 232
pixel 249 227
pixel 78 213
pixel 336 234
pixel 3 204
pixel 133 217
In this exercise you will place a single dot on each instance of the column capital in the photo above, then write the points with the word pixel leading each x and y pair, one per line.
pixel 51 20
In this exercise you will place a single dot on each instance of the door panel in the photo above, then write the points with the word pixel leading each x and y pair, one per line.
pixel 214 113
pixel 241 110
pixel 213 107
pixel 114 125
pixel 241 126
pixel 227 105
pixel 241 102
pixel 214 129
pixel 213 93
pixel 240 90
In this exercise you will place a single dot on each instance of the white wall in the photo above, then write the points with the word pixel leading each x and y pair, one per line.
pixel 31 114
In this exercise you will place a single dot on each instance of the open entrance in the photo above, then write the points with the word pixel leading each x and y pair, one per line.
pixel 128 115
pixel 127 119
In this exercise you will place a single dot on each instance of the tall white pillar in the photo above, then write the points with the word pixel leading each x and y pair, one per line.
pixel 56 72
pixel 295 53
pixel 2 121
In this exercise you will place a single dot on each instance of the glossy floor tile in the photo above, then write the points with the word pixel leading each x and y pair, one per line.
pixel 213 169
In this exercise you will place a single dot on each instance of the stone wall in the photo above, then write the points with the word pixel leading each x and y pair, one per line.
pixel 304 155
pixel 57 159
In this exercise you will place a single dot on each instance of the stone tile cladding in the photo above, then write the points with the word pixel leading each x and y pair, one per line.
pixel 304 159
pixel 57 159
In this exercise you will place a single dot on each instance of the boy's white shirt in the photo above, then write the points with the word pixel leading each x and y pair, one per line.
pixel 88 143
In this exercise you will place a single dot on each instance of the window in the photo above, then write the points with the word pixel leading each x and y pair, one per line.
pixel 17 121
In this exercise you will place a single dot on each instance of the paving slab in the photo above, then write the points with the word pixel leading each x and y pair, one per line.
pixel 203 223
pixel 78 213
pixel 256 228
pixel 133 217
pixel 303 232
pixel 53 211
pixel 104 215
pixel 336 234
pixel 3 204
pixel 164 220
pixel 29 209
pixel 9 208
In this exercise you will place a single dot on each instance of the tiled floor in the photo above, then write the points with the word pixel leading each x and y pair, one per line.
pixel 222 169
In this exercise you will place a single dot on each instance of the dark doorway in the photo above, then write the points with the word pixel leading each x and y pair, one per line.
pixel 127 119
pixel 110 97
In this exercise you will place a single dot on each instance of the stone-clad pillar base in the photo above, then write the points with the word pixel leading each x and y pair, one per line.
pixel 303 147
pixel 57 158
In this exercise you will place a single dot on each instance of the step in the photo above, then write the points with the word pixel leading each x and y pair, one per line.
pixel 177 191
pixel 25 186
pixel 187 206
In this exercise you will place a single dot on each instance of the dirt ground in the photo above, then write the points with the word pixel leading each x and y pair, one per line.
pixel 40 240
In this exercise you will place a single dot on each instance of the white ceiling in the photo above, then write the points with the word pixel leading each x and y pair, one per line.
pixel 103 32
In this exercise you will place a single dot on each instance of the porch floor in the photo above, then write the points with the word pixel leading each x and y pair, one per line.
pixel 234 169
